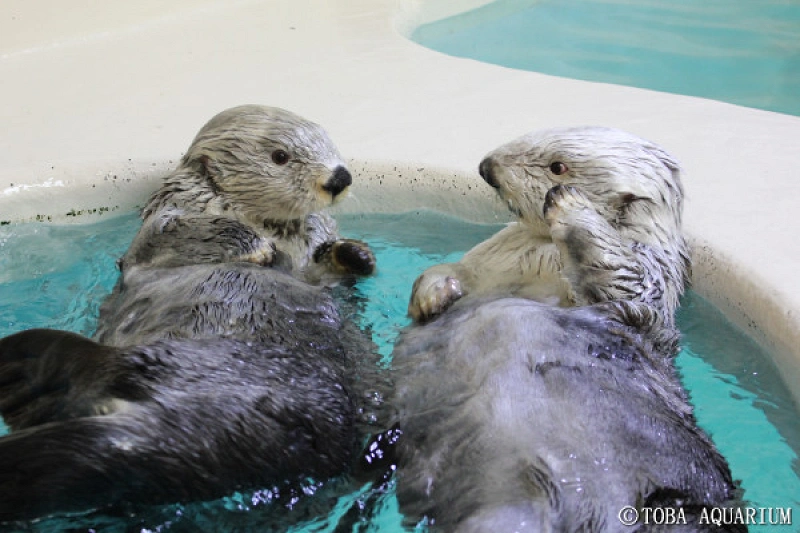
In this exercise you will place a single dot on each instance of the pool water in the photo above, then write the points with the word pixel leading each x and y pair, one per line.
pixel 738 51
pixel 56 276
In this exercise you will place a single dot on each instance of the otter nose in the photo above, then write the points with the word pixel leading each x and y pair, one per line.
pixel 486 171
pixel 340 180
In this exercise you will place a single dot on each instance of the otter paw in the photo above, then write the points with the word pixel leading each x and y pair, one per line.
pixel 263 255
pixel 562 200
pixel 353 256
pixel 432 294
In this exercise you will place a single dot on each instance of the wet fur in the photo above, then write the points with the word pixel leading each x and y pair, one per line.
pixel 520 416
pixel 221 361
pixel 517 415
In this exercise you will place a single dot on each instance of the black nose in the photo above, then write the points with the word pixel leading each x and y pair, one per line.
pixel 340 180
pixel 485 169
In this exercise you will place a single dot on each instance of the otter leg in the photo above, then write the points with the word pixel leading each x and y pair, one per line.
pixel 346 256
pixel 63 467
pixel 597 265
pixel 48 375
pixel 86 463
pixel 199 420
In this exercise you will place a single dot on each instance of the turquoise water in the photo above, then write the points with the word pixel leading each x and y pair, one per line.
pixel 56 276
pixel 744 52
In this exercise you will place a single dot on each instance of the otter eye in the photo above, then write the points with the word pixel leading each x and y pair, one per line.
pixel 280 157
pixel 558 168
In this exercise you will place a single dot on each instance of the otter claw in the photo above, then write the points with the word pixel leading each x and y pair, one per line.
pixel 431 297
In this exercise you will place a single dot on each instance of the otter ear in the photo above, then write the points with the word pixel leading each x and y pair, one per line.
pixel 627 198
pixel 210 172
pixel 205 165
pixel 627 206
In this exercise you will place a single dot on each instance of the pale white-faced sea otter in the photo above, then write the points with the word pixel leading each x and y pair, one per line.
pixel 537 390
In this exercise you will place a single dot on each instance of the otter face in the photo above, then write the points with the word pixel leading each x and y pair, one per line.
pixel 266 163
pixel 628 180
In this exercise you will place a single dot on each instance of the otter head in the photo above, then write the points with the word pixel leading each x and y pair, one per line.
pixel 634 184
pixel 267 164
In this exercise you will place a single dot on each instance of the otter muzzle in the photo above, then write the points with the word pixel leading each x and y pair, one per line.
pixel 337 183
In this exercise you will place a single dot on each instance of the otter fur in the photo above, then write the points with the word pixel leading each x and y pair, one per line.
pixel 512 414
pixel 221 360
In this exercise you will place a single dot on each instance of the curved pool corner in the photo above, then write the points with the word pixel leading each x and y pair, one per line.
pixel 101 104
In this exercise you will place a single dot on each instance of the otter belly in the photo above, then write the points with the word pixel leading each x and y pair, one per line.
pixel 514 411
pixel 236 300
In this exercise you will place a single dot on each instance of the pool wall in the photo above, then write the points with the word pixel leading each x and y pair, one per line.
pixel 100 99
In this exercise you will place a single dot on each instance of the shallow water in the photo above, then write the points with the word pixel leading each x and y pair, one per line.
pixel 737 51
pixel 56 276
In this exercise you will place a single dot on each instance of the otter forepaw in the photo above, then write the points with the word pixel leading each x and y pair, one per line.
pixel 561 201
pixel 353 256
pixel 263 255
pixel 432 294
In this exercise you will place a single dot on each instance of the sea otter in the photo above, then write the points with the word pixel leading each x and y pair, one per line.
pixel 222 360
pixel 537 391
